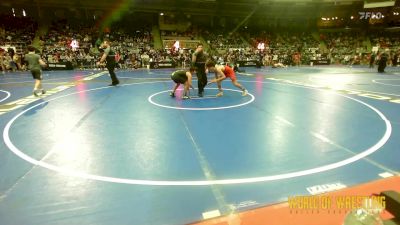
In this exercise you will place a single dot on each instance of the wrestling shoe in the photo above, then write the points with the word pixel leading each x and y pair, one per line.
pixel 114 83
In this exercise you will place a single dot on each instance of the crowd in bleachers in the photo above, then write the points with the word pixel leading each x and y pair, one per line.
pixel 221 40
pixel 78 45
pixel 15 34
pixel 190 34
pixel 386 40
pixel 390 42
pixel 16 30
pixel 64 44
pixel 345 48
pixel 285 48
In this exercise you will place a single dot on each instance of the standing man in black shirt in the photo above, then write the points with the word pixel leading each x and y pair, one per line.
pixel 199 59
pixel 382 62
pixel 109 57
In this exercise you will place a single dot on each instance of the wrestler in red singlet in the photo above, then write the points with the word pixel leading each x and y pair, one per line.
pixel 229 73
pixel 221 73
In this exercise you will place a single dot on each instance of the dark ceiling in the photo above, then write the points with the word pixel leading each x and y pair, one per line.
pixel 292 10
pixel 233 8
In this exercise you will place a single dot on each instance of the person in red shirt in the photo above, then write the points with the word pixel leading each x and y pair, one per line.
pixel 221 73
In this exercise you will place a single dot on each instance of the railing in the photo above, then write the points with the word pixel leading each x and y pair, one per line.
pixel 191 44
pixel 171 37
pixel 18 46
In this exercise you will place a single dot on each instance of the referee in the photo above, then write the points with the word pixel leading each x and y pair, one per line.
pixel 199 59
pixel 109 57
